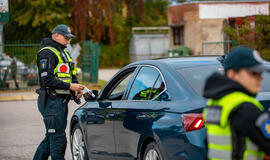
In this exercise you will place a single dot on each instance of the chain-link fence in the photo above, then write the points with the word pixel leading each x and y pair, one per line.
pixel 216 48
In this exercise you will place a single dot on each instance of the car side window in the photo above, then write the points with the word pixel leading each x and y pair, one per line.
pixel 118 90
pixel 157 89
pixel 142 87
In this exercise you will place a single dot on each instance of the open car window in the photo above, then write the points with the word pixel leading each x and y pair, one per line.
pixel 117 86
pixel 118 91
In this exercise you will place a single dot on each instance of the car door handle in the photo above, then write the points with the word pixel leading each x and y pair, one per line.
pixel 141 117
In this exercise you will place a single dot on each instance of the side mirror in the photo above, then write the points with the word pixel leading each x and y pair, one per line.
pixel 88 97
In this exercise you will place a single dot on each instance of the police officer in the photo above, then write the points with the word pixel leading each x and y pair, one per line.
pixel 57 76
pixel 237 127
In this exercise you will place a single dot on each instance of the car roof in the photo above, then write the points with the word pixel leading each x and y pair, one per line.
pixel 181 62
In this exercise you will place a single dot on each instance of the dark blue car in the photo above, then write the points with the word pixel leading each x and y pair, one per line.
pixel 150 110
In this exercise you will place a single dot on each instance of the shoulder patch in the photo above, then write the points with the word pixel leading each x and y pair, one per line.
pixel 263 123
pixel 43 63
pixel 266 129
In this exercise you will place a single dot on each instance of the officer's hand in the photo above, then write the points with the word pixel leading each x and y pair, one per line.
pixel 76 87
pixel 78 94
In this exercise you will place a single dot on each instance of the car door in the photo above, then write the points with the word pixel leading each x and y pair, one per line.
pixel 132 117
pixel 100 135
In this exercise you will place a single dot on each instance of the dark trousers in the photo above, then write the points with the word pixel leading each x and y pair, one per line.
pixel 55 120
pixel 16 83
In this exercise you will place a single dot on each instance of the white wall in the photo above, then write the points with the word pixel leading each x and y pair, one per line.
pixel 147 46
pixel 215 11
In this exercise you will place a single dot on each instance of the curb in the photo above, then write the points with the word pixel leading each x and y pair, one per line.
pixel 18 98
pixel 17 95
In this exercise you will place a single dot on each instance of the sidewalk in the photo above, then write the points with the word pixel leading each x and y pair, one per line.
pixel 17 95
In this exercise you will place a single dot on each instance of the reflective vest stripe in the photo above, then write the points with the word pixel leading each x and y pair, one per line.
pixel 62 91
pixel 252 146
pixel 252 151
pixel 253 157
pixel 219 154
pixel 219 139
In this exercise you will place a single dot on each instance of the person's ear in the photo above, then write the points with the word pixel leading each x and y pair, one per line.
pixel 55 36
pixel 230 74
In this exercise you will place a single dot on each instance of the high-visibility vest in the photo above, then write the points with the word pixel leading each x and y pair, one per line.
pixel 63 70
pixel 144 94
pixel 219 136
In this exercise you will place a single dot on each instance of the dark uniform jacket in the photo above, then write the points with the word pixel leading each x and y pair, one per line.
pixel 46 74
pixel 242 119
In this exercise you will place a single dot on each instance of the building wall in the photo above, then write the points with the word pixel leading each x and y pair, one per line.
pixel 192 30
pixel 211 31
pixel 148 46
pixel 203 22
pixel 186 15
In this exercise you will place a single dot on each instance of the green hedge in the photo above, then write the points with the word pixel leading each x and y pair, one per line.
pixel 114 57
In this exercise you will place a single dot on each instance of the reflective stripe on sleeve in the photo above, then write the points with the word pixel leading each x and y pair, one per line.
pixel 44 74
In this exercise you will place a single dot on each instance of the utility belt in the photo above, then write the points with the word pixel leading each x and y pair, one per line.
pixel 45 93
pixel 66 95
pixel 53 93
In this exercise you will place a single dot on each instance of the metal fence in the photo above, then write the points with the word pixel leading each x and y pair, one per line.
pixel 216 48
pixel 18 65
pixel 89 59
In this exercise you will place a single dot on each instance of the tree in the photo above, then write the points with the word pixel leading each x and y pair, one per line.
pixel 33 19
pixel 107 22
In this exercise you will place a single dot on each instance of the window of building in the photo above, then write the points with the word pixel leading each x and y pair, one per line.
pixel 178 35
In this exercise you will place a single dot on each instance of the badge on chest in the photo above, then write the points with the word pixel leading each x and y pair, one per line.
pixel 63 68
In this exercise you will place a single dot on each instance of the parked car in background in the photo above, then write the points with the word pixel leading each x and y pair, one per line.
pixel 27 73
pixel 150 110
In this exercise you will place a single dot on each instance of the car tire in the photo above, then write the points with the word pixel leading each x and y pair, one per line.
pixel 77 142
pixel 152 152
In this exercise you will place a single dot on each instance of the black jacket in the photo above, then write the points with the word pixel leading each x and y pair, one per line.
pixel 242 119
pixel 46 62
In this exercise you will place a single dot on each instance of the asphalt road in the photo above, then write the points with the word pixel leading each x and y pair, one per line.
pixel 22 130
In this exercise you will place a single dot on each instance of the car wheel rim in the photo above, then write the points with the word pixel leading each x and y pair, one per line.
pixel 152 155
pixel 78 145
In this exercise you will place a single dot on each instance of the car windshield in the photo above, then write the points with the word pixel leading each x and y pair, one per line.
pixel 196 77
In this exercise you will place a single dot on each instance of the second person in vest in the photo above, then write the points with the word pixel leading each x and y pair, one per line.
pixel 237 126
